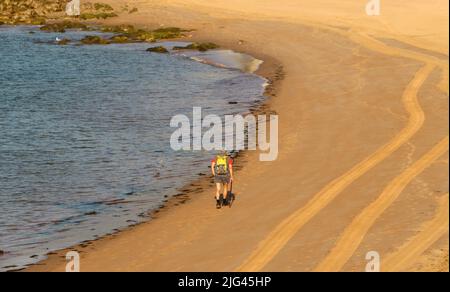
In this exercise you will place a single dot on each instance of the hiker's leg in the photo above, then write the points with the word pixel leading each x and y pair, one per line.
pixel 225 191
pixel 218 187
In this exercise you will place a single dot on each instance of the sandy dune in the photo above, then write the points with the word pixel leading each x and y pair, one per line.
pixel 363 164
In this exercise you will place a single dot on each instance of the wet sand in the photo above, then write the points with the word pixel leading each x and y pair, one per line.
pixel 363 160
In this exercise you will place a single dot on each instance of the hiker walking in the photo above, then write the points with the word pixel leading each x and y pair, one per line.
pixel 222 170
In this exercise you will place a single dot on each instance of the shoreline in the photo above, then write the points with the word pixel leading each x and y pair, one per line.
pixel 325 118
pixel 270 70
pixel 179 197
pixel 199 184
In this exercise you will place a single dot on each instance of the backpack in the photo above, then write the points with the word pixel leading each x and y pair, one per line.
pixel 221 167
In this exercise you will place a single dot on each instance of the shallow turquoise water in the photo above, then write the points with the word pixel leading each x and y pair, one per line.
pixel 84 135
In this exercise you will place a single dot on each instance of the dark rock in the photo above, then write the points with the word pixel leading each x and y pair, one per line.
pixel 128 33
pixel 63 42
pixel 144 36
pixel 202 47
pixel 88 6
pixel 125 29
pixel 96 11
pixel 94 40
pixel 120 39
pixel 167 33
pixel 63 26
pixel 141 35
pixel 159 49
pixel 101 15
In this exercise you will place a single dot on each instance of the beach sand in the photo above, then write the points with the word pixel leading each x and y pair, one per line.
pixel 363 144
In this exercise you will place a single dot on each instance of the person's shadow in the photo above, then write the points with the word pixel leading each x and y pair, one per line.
pixel 231 196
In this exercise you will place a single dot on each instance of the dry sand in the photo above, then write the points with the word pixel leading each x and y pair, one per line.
pixel 363 164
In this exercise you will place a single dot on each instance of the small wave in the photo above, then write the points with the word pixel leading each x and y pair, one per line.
pixel 226 59
pixel 208 62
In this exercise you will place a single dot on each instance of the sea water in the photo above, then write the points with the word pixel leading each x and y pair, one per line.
pixel 85 134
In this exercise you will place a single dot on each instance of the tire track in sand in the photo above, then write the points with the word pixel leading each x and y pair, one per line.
pixel 277 239
pixel 354 234
pixel 433 230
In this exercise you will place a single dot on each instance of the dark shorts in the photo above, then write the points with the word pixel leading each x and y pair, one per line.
pixel 222 179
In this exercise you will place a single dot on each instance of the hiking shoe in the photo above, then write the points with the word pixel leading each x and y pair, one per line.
pixel 218 204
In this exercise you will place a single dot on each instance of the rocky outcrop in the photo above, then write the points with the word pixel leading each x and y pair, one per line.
pixel 63 26
pixel 29 11
pixel 96 11
pixel 94 40
pixel 159 50
pixel 130 34
pixel 202 47
pixel 120 39
pixel 37 11
pixel 139 35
